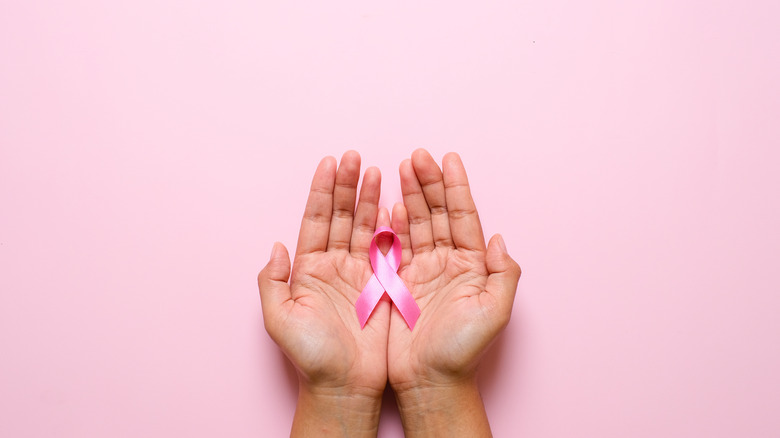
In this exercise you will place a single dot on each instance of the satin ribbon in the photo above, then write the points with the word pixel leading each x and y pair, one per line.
pixel 386 279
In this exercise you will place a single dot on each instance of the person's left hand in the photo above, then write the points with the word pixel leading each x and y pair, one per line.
pixel 465 290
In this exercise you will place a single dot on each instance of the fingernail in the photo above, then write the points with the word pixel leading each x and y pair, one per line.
pixel 501 243
pixel 274 251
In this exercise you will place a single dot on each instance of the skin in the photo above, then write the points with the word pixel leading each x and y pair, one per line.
pixel 465 291
pixel 464 288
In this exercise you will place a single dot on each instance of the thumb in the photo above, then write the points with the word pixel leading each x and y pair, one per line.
pixel 272 282
pixel 504 274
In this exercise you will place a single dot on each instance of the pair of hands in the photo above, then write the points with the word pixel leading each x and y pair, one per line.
pixel 464 288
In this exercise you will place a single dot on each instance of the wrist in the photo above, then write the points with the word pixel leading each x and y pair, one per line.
pixel 425 394
pixel 451 408
pixel 336 411
pixel 431 380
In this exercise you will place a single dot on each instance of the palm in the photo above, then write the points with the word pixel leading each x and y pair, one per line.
pixel 449 286
pixel 322 319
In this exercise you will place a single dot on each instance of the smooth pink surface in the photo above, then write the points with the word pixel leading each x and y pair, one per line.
pixel 152 151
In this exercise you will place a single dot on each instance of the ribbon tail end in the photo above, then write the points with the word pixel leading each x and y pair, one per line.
pixel 411 316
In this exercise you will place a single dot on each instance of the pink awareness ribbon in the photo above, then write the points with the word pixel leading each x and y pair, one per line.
pixel 386 279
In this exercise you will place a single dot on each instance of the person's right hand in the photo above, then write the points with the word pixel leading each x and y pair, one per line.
pixel 342 369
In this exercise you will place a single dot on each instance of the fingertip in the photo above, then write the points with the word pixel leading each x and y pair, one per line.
pixel 406 164
pixel 399 209
pixel 454 171
pixel 349 168
pixel 423 162
pixel 500 241
pixel 278 266
pixel 408 177
pixel 280 260
pixel 369 191
pixel 495 244
pixel 327 167
pixel 373 173
pixel 420 154
pixel 498 259
pixel 451 161
pixel 278 250
pixel 451 156
pixel 351 155
pixel 328 161
pixel 400 220
pixel 383 217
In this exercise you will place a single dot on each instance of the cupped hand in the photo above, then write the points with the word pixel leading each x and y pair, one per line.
pixel 313 317
pixel 464 288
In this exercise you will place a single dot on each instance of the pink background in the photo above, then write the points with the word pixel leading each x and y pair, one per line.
pixel 152 151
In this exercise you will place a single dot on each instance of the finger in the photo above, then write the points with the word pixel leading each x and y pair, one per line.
pixel 400 224
pixel 344 192
pixel 464 221
pixel 383 220
pixel 419 215
pixel 364 224
pixel 272 282
pixel 504 274
pixel 432 183
pixel 315 225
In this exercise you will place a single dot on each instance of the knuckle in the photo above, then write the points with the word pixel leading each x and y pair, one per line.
pixel 443 241
pixel 462 212
pixel 317 217
pixel 456 185
pixel 338 245
pixel 418 220
pixel 342 213
pixel 364 227
pixel 438 210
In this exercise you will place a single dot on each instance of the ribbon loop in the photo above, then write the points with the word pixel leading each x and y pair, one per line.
pixel 386 279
